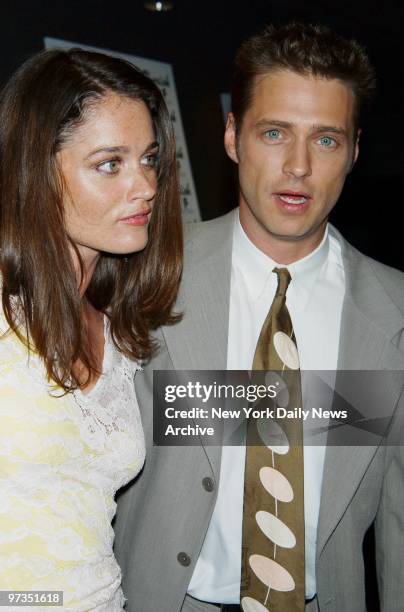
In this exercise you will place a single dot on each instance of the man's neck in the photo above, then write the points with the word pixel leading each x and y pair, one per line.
pixel 284 250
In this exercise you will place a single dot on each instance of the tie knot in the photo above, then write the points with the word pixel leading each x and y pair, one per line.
pixel 283 280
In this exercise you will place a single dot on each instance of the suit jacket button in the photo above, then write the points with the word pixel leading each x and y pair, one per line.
pixel 208 484
pixel 183 559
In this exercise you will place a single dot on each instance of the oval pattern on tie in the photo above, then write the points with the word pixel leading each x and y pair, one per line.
pixel 276 484
pixel 249 604
pixel 282 392
pixel 287 350
pixel 273 436
pixel 275 529
pixel 271 573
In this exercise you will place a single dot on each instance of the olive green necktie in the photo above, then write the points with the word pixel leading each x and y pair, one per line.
pixel 273 576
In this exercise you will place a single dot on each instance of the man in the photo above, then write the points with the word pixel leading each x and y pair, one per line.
pixel 294 133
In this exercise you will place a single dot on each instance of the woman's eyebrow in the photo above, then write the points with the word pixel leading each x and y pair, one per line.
pixel 116 149
pixel 120 149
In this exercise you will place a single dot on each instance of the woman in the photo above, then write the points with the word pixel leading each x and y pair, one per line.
pixel 90 239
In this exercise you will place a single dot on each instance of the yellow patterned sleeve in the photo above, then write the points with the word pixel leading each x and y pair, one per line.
pixel 42 535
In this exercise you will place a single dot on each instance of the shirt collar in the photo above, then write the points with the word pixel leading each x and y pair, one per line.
pixel 256 267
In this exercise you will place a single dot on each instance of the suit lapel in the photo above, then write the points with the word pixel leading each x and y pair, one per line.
pixel 369 322
pixel 199 341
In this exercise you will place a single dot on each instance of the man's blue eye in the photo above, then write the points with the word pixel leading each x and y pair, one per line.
pixel 327 141
pixel 273 134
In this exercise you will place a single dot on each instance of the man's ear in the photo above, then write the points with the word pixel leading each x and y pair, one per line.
pixel 355 150
pixel 230 138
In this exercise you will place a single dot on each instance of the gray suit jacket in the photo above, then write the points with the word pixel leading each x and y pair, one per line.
pixel 166 511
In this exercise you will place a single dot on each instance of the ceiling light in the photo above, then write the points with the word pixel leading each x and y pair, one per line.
pixel 159 6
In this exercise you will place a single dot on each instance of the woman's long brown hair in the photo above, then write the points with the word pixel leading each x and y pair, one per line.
pixel 42 104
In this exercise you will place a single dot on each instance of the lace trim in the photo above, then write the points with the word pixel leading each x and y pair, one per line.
pixel 109 403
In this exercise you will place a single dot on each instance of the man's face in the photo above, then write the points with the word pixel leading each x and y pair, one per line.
pixel 294 150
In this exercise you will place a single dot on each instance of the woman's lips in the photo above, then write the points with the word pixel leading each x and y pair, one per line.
pixel 141 218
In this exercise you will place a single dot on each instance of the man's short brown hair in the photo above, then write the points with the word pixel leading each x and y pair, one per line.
pixel 307 50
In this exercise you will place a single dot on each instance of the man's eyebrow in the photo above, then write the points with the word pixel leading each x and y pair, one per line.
pixel 329 128
pixel 288 124
pixel 276 122
pixel 120 149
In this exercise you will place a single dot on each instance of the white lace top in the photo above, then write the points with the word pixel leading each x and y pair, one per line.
pixel 61 461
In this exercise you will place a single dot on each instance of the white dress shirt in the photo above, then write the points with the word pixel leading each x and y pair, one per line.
pixel 314 299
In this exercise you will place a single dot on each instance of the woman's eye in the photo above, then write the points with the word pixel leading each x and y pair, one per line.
pixel 273 134
pixel 327 141
pixel 109 167
pixel 150 160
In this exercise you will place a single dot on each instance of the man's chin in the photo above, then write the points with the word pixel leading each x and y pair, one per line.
pixel 295 232
pixel 290 235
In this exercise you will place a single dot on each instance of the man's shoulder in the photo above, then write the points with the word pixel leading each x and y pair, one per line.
pixel 391 279
pixel 202 232
pixel 386 273
pixel 375 274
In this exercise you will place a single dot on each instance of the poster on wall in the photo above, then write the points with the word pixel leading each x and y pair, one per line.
pixel 162 75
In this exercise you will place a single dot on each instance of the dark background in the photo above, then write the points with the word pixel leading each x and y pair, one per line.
pixel 199 38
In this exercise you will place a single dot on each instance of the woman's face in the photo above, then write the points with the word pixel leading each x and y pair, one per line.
pixel 109 169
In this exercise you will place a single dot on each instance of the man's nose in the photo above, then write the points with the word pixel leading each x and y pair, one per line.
pixel 298 160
